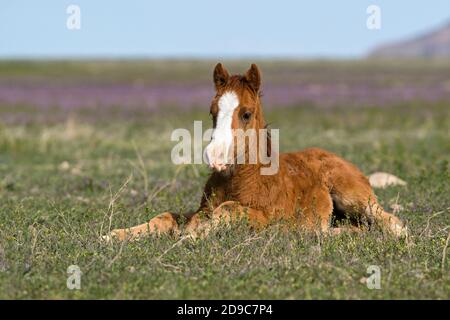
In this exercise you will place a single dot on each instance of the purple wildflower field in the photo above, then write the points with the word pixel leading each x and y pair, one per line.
pixel 54 89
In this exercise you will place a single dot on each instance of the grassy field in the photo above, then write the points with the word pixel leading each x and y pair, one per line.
pixel 64 183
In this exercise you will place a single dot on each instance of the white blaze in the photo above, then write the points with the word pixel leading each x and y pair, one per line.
pixel 219 149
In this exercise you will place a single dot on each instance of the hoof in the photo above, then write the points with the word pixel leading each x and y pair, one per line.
pixel 399 231
pixel 117 234
pixel 383 180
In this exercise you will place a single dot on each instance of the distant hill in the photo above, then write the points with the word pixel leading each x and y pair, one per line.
pixel 434 44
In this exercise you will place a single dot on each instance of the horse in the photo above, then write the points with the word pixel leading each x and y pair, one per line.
pixel 311 189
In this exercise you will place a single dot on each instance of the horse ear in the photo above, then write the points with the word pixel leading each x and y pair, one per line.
pixel 220 76
pixel 253 77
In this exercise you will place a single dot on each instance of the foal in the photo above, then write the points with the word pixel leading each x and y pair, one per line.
pixel 310 188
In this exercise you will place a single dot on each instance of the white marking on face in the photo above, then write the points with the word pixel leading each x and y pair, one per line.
pixel 218 150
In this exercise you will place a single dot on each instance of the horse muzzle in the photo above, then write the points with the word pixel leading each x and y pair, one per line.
pixel 217 156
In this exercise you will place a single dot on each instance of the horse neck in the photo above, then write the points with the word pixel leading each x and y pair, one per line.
pixel 246 169
pixel 244 176
pixel 247 172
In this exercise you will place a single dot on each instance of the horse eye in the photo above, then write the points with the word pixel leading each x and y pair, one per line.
pixel 247 115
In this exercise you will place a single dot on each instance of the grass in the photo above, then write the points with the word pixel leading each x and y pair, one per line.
pixel 62 185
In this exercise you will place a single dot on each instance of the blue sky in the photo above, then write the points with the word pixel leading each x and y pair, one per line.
pixel 208 28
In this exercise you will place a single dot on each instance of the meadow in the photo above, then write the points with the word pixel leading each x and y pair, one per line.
pixel 85 148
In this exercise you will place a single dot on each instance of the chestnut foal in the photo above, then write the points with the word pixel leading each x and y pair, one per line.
pixel 309 189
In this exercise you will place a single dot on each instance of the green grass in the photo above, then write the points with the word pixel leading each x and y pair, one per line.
pixel 59 190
